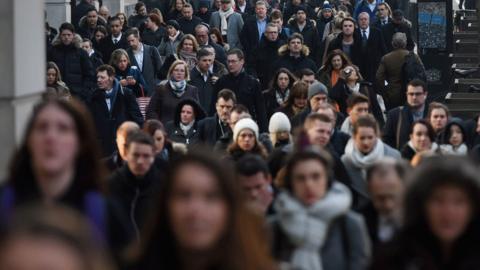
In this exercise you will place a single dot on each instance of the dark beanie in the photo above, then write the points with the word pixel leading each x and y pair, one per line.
pixel 173 24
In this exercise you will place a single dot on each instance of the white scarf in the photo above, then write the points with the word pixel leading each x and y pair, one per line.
pixel 449 149
pixel 223 16
pixel 361 160
pixel 186 128
pixel 347 126
pixel 432 149
pixel 355 89
pixel 307 227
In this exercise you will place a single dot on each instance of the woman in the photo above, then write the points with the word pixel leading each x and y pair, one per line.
pixel 57 163
pixel 279 91
pixel 123 21
pixel 201 222
pixel 100 32
pixel 329 73
pixel 279 128
pixel 154 30
pixel 422 139
pixel 455 139
pixel 170 41
pixel 297 100
pixel 245 140
pixel 217 38
pixel 440 220
pixel 163 145
pixel 55 86
pixel 129 76
pixel 175 12
pixel 186 50
pixel 166 97
pixel 313 227
pixel 51 238
pixel 351 81
pixel 184 127
pixel 362 150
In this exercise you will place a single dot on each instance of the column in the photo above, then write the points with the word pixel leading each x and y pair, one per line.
pixel 58 12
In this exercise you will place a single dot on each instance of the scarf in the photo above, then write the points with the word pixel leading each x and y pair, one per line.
pixel 186 128
pixel 173 38
pixel 223 16
pixel 449 149
pixel 347 126
pixel 334 77
pixel 189 57
pixel 355 89
pixel 361 160
pixel 178 88
pixel 307 227
pixel 432 149
pixel 281 97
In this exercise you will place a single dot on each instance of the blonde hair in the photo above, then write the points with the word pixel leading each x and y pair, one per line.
pixel 175 64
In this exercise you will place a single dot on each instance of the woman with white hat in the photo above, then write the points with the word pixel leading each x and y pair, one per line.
pixel 245 140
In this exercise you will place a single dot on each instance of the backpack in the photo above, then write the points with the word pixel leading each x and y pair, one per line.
pixel 413 69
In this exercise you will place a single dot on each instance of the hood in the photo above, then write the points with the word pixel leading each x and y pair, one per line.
pixel 292 24
pixel 83 21
pixel 458 122
pixel 77 41
pixel 199 112
pixel 283 50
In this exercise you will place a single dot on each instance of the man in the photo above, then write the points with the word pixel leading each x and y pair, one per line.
pixel 118 158
pixel 203 11
pixel 138 20
pixel 188 22
pixel 95 57
pixel 111 105
pixel 276 17
pixel 211 129
pixel 244 8
pixel 253 30
pixel 308 30
pixel 266 54
pixel 400 120
pixel 348 42
pixel 203 39
pixel 383 17
pixel 202 78
pixel 145 57
pixel 368 6
pixel 256 182
pixel 307 76
pixel 229 22
pixel 73 62
pixel 372 47
pixel 317 95
pixel 357 105
pixel 115 40
pixel 88 25
pixel 246 88
pixel 81 10
pixel 104 13
pixel 386 186
pixel 439 116
pixel 338 139
pixel 294 55
pixel 134 187
pixel 398 24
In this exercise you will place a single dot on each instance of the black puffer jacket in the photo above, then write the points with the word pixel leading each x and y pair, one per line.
pixel 175 133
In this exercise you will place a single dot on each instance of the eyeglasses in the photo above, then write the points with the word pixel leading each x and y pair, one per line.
pixel 415 94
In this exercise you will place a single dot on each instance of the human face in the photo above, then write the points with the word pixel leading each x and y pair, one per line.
pixel 420 139
pixel 300 102
pixel 142 11
pixel 122 19
pixel 386 191
pixel 416 96
pixel 104 12
pixel 187 45
pixel 115 27
pixel 261 11
pixel 319 133
pixel 317 100
pixel 178 73
pixel 134 42
pixel 363 21
pixel 92 18
pixel 456 135
pixel 197 209
pixel 187 12
pixel 279 23
pixel 448 211
pixel 104 81
pixel 347 28
pixel 438 119
pixel 254 185
pixel 121 141
pixel 337 62
pixel 99 35
pixel 159 139
pixel 202 35
pixel 295 45
pixel 309 181
pixel 246 140
pixel 225 5
pixel 86 46
pixel 66 36
pixel 383 11
pixel 42 252
pixel 171 31
pixel 187 114
pixel 224 108
pixel 283 80
pixel 51 76
pixel 53 142
pixel 235 64
pixel 214 38
pixel 205 62
pixel 309 79
pixel 235 117
pixel 179 5
pixel 327 13
pixel 301 17
pixel 122 63
pixel 365 139
pixel 358 110
pixel 140 158
pixel 271 33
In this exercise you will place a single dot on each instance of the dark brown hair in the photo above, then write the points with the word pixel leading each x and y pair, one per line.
pixel 366 121
pixel 291 77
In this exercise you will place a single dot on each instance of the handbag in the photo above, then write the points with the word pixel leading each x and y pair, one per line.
pixel 143 102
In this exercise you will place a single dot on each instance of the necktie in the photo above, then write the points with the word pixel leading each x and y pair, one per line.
pixel 364 35
pixel 115 41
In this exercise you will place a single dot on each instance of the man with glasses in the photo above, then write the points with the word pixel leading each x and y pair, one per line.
pixel 400 120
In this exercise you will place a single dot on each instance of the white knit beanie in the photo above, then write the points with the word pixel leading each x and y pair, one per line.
pixel 243 124
pixel 279 122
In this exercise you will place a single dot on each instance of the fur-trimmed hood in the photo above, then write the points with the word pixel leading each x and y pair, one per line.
pixel 77 41
pixel 283 50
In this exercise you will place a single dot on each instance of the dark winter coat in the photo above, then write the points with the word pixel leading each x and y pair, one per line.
pixel 398 125
pixel 174 131
pixel 250 39
pixel 205 88
pixel 96 58
pixel 271 103
pixel 151 67
pixel 133 71
pixel 106 46
pixel 263 58
pixel 188 26
pixel 355 50
pixel 210 130
pixel 153 38
pixel 310 38
pixel 391 28
pixel 137 20
pixel 371 54
pixel 294 64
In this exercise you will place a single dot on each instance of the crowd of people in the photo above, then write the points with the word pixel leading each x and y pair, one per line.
pixel 240 135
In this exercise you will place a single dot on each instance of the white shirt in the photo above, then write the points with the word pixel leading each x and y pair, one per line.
pixel 109 101
pixel 367 31
pixel 139 57
pixel 242 8
pixel 116 38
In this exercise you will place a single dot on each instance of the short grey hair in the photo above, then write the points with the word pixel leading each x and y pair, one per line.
pixel 399 40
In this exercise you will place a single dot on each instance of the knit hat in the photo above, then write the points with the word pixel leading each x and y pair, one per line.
pixel 326 5
pixel 279 122
pixel 173 24
pixel 243 124
pixel 204 3
pixel 300 8
pixel 317 88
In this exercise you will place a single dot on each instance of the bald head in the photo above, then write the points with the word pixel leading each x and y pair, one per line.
pixel 201 34
pixel 124 130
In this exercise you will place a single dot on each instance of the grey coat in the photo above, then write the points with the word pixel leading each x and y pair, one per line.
pixel 167 47
pixel 347 246
pixel 151 66
pixel 235 25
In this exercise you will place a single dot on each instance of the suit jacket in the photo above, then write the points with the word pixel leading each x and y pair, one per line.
pixel 210 131
pixel 106 46
pixel 390 29
pixel 151 66
pixel 249 37
pixel 399 123
pixel 235 25
pixel 355 50
pixel 371 54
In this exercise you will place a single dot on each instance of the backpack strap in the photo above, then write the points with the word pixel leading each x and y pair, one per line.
pixel 399 125
pixel 95 210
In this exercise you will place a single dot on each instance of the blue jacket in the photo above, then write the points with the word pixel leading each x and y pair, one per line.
pixel 362 6
pixel 135 72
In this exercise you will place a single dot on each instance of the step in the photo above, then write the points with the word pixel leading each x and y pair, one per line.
pixel 464 57
pixel 472 26
pixel 464 65
pixel 466 46
pixel 464 114
pixel 462 85
pixel 466 35
pixel 462 98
